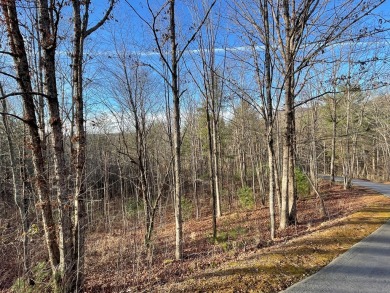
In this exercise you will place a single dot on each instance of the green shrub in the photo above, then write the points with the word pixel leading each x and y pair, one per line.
pixel 222 236
pixel 302 183
pixel 245 197
pixel 186 208
pixel 134 206
pixel 40 278
pixel 227 240
pixel 21 285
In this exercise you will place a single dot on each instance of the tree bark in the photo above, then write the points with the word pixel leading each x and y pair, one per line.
pixel 334 133
pixel 269 115
pixel 216 161
pixel 48 44
pixel 288 211
pixel 176 131
pixel 213 188
pixel 24 81
pixel 80 32
pixel 79 141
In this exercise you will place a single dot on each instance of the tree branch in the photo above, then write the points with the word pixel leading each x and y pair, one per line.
pixel 15 116
pixel 196 31
pixel 22 93
pixel 102 21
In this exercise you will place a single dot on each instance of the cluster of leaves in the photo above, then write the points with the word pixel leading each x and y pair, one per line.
pixel 302 183
pixel 39 281
pixel 245 197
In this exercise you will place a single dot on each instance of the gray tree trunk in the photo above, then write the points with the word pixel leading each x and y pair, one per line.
pixel 176 131
pixel 334 133
pixel 80 32
pixel 24 81
pixel 48 45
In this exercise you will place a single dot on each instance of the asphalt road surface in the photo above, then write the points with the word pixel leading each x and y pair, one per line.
pixel 365 268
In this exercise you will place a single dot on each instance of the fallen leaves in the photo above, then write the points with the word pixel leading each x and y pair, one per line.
pixel 243 259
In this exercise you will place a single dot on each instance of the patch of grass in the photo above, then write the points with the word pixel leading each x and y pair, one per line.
pixel 232 234
pixel 227 240
pixel 40 281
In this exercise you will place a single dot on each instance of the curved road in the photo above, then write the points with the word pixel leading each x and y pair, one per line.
pixel 365 268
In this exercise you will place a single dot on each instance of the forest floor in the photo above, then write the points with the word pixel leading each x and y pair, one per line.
pixel 242 260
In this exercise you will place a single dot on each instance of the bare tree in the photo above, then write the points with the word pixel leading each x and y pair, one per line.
pixel 255 22
pixel 18 50
pixel 171 63
pixel 67 255
pixel 211 87
pixel 298 39
pixel 133 90
pixel 81 30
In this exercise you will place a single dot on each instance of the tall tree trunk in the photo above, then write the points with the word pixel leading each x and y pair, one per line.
pixel 78 143
pixel 292 190
pixel 288 178
pixel 265 87
pixel 271 162
pixel 24 81
pixel 286 166
pixel 176 132
pixel 41 100
pixel 216 162
pixel 48 45
pixel 80 32
pixel 313 154
pixel 347 168
pixel 211 168
pixel 334 133
pixel 194 156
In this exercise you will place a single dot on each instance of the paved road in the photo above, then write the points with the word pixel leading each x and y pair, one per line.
pixel 365 268
pixel 378 187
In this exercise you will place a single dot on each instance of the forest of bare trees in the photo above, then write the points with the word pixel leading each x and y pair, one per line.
pixel 127 116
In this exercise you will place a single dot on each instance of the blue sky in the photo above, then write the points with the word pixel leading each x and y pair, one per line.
pixel 128 28
pixel 127 24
